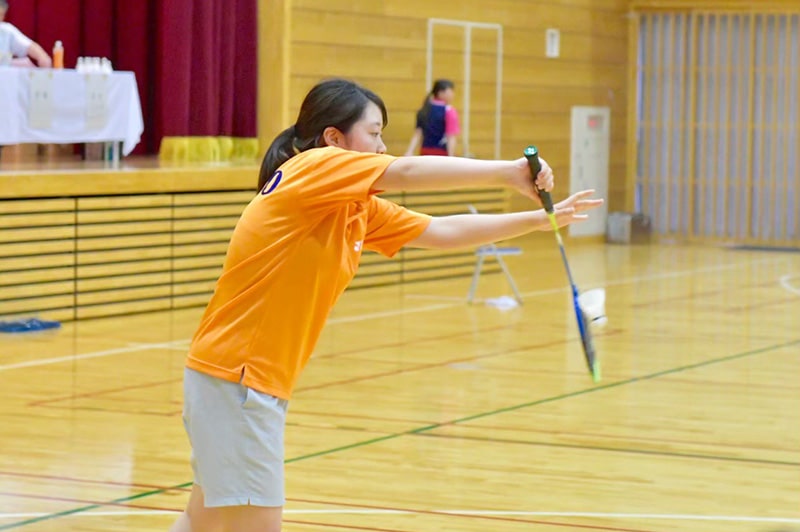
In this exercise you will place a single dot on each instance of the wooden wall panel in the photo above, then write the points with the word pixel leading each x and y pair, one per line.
pixel 381 43
pixel 93 256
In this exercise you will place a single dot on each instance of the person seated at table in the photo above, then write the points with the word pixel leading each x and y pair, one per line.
pixel 14 43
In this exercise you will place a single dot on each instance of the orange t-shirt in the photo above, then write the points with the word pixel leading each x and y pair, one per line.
pixel 293 252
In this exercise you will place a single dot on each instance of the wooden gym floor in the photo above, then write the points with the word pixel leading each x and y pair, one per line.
pixel 421 413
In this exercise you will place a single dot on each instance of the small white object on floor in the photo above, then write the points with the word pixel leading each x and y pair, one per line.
pixel 502 302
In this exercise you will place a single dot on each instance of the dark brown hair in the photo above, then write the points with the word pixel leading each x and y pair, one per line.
pixel 338 103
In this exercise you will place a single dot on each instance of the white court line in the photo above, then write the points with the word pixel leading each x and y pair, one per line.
pixel 388 313
pixel 438 298
pixel 616 282
pixel 784 281
pixel 499 513
pixel 180 344
pixel 374 315
pixel 95 354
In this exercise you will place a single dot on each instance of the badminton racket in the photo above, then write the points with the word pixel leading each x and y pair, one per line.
pixel 593 364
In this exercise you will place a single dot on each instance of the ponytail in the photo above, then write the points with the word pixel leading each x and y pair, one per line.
pixel 424 112
pixel 438 86
pixel 284 147
pixel 281 150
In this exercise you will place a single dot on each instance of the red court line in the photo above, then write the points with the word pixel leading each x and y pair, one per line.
pixel 101 392
pixel 349 505
pixel 384 346
pixel 474 516
pixel 359 430
pixel 332 355
pixel 85 501
pixel 697 295
pixel 618 437
pixel 117 410
pixel 357 416
pixel 421 367
pixel 91 481
pixel 754 385
pixel 760 305
pixel 675 299
pixel 346 527
pixel 402 343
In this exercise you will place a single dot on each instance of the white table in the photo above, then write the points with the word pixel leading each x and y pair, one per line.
pixel 124 123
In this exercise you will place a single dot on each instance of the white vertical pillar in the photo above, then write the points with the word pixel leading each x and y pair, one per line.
pixel 467 86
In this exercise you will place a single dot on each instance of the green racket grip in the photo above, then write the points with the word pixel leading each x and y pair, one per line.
pixel 532 154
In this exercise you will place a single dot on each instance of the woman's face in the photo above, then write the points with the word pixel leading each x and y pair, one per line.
pixel 366 134
pixel 446 95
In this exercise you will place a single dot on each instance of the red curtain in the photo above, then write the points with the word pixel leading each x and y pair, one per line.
pixel 195 60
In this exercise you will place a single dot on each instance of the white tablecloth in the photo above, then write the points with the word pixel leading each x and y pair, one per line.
pixel 69 97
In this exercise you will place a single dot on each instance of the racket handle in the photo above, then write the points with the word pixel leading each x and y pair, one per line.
pixel 532 154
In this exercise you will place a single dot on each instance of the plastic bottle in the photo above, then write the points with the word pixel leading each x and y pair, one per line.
pixel 58 55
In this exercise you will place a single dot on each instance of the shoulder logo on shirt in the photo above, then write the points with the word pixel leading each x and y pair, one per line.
pixel 272 183
pixel 357 246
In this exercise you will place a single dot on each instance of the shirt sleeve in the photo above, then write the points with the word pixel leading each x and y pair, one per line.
pixel 390 226
pixel 334 176
pixel 19 42
pixel 451 123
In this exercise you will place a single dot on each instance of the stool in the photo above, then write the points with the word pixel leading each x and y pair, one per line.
pixel 492 250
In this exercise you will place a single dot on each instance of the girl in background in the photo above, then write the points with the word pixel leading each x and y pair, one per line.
pixel 437 122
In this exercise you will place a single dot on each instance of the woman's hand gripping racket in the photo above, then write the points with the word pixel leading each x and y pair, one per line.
pixel 532 154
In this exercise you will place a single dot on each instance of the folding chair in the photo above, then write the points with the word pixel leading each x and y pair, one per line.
pixel 492 250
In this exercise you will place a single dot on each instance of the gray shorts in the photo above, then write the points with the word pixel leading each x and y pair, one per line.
pixel 236 435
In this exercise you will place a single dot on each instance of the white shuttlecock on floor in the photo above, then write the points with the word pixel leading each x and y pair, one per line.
pixel 502 303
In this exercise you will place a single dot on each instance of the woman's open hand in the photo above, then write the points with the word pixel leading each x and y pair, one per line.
pixel 573 208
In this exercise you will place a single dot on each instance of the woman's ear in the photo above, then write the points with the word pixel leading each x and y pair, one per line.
pixel 333 137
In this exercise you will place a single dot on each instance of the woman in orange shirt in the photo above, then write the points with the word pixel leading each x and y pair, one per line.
pixel 294 250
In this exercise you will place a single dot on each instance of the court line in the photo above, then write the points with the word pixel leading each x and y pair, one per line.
pixel 375 315
pixel 523 513
pixel 612 436
pixel 627 280
pixel 625 450
pixel 426 428
pixel 177 343
pixel 754 306
pixel 94 354
pixel 461 420
pixel 98 393
pixel 784 282
pixel 546 400
pixel 113 390
pixel 50 402
pixel 388 313
pixel 392 373
pixel 78 480
pixel 436 365
pixel 346 527
pixel 73 499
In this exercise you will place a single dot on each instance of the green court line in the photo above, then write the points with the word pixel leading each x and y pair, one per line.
pixel 426 428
